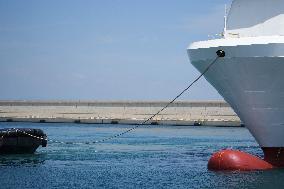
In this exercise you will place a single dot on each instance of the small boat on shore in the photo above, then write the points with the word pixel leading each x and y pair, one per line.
pixel 21 140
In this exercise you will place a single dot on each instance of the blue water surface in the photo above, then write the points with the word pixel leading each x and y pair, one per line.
pixel 149 157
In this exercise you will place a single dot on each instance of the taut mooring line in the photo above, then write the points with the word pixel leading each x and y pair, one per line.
pixel 220 54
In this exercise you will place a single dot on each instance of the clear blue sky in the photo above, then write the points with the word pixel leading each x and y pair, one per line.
pixel 103 49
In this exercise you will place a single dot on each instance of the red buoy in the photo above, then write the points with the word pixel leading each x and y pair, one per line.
pixel 234 160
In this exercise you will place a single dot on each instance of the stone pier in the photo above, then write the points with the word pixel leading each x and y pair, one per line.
pixel 185 113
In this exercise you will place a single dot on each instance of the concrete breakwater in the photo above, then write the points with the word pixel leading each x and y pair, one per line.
pixel 207 113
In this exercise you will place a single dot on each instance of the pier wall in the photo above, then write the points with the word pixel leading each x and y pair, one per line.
pixel 208 113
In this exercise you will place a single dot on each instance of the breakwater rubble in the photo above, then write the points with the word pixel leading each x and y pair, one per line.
pixel 180 113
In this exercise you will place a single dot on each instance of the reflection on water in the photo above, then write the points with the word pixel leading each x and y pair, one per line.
pixel 22 159
pixel 155 157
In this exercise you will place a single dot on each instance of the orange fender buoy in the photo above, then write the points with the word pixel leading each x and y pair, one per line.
pixel 235 160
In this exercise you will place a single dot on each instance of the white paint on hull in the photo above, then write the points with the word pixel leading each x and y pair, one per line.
pixel 250 78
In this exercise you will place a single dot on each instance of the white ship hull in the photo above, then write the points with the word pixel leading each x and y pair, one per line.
pixel 251 79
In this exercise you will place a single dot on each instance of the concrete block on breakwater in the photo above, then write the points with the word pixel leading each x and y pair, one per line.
pixel 197 113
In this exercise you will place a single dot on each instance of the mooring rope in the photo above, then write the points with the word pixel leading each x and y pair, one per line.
pixel 220 54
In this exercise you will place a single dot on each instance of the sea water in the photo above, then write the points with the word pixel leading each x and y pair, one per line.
pixel 149 157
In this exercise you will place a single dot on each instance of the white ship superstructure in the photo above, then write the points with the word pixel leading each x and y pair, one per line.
pixel 251 75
